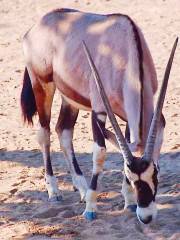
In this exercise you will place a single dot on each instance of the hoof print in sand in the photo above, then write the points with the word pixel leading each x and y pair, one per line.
pixel 55 199
pixel 51 212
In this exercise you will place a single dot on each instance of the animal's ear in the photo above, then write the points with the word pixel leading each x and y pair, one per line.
pixel 127 155
pixel 148 153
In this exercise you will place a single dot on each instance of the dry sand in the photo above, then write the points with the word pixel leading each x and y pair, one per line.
pixel 24 210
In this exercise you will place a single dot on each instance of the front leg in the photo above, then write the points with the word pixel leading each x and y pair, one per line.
pixel 128 194
pixel 99 152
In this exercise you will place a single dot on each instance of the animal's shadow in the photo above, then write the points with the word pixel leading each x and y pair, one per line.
pixel 61 218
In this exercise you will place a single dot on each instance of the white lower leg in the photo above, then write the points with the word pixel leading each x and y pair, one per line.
pixel 52 186
pixel 128 194
pixel 50 181
pixel 91 201
pixel 98 162
pixel 43 138
pixel 79 181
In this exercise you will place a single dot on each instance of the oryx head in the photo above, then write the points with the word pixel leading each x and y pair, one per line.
pixel 140 172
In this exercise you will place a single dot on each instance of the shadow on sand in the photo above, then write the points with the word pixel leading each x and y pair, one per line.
pixel 49 220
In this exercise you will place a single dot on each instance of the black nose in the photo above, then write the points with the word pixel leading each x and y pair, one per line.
pixel 146 220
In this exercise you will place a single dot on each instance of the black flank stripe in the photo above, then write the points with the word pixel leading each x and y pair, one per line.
pixel 141 70
pixel 141 73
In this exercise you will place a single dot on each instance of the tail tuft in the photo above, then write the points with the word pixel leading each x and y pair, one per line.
pixel 28 103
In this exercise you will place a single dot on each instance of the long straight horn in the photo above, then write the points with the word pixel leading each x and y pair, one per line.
pixel 127 155
pixel 148 153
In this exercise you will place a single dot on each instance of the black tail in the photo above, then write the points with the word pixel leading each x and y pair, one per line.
pixel 28 103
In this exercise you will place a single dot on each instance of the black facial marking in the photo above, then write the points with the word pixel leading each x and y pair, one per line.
pixel 98 128
pixel 144 194
pixel 138 166
pixel 93 184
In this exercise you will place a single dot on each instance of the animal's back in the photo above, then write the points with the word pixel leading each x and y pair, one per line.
pixel 56 48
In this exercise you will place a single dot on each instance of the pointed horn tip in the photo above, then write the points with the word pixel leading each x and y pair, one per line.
pixel 170 61
pixel 176 41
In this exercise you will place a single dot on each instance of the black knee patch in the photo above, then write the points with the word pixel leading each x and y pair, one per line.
pixel 94 179
pixel 67 117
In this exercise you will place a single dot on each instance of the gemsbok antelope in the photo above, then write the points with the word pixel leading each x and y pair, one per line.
pixel 55 58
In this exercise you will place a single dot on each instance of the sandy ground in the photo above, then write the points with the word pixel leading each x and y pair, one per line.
pixel 24 210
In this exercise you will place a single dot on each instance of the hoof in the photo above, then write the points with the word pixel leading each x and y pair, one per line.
pixel 55 199
pixel 82 200
pixel 132 207
pixel 90 215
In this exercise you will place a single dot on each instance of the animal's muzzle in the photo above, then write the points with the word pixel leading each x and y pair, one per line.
pixel 146 220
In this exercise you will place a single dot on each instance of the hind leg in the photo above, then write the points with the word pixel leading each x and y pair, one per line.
pixel 64 128
pixel 44 93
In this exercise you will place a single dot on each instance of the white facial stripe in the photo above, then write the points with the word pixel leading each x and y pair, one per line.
pixel 148 173
pixel 145 176
pixel 132 177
